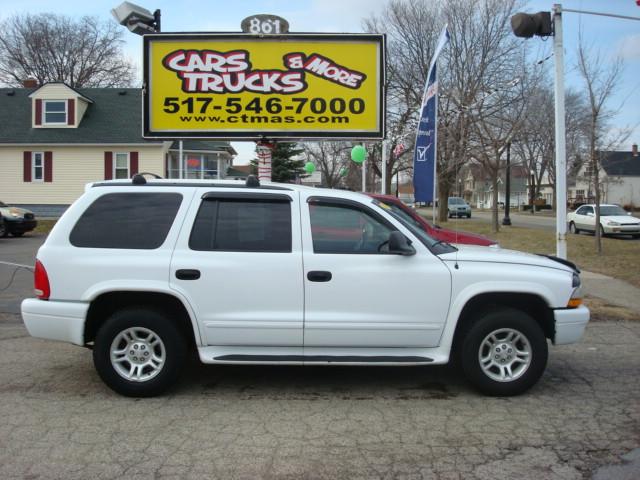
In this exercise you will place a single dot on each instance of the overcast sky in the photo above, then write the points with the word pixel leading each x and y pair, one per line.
pixel 614 36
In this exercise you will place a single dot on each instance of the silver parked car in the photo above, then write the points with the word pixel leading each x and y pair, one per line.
pixel 457 207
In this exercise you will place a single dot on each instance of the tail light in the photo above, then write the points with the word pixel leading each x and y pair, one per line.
pixel 41 282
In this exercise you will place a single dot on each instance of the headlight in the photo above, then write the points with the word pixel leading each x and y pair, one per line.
pixel 612 223
pixel 576 297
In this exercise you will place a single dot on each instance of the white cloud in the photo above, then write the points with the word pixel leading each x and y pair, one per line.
pixel 629 47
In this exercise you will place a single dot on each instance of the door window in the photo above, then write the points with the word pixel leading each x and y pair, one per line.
pixel 242 225
pixel 337 228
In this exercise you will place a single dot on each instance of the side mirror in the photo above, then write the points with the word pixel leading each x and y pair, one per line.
pixel 400 245
pixel 590 214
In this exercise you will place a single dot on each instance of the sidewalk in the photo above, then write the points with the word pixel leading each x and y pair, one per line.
pixel 614 291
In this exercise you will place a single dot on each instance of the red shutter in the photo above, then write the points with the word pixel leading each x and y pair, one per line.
pixel 26 166
pixel 108 165
pixel 133 163
pixel 71 111
pixel 38 119
pixel 48 166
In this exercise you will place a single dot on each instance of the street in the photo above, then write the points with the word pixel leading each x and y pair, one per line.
pixel 520 219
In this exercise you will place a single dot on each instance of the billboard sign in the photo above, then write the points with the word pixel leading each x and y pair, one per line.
pixel 243 86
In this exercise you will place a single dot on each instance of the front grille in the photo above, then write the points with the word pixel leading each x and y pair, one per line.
pixel 29 216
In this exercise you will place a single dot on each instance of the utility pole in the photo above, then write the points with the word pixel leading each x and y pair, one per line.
pixel 561 160
pixel 527 25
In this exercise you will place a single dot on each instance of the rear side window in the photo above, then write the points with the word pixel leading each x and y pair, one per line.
pixel 127 220
pixel 242 225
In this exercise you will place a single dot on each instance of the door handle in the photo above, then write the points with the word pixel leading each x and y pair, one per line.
pixel 319 276
pixel 187 274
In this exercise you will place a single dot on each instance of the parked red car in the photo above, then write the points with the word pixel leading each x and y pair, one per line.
pixel 444 234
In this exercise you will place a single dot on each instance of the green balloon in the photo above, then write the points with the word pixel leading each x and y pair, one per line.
pixel 309 167
pixel 343 172
pixel 358 153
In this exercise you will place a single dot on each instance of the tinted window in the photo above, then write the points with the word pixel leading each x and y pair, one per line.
pixel 346 229
pixel 127 220
pixel 242 225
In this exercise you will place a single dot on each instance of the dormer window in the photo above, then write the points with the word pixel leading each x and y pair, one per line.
pixel 55 112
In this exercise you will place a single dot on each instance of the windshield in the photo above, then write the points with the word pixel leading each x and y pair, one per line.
pixel 456 201
pixel 611 210
pixel 436 246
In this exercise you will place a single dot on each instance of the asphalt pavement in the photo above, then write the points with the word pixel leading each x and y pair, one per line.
pixel 59 421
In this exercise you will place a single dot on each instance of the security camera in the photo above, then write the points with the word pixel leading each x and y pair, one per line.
pixel 137 19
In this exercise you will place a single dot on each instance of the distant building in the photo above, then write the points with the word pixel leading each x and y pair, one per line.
pixel 619 179
pixel 55 139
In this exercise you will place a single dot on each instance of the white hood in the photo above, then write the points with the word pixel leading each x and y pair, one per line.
pixel 474 253
pixel 621 219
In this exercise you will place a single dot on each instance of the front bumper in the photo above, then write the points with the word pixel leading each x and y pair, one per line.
pixel 570 324
pixel 622 229
pixel 19 225
pixel 62 321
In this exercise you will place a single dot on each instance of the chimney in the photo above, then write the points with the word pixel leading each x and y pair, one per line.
pixel 30 83
pixel 634 149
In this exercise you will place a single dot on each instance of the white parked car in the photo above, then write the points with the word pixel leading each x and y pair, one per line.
pixel 614 220
pixel 142 272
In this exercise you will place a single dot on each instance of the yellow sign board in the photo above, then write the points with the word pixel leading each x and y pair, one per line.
pixel 244 86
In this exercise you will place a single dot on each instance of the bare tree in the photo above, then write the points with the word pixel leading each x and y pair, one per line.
pixel 330 158
pixel 473 64
pixel 47 47
pixel 600 79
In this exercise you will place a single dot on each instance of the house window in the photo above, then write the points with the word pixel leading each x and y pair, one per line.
pixel 121 166
pixel 37 166
pixel 55 112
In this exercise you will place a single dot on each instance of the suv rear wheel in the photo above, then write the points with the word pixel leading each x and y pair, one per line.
pixel 139 352
pixel 504 353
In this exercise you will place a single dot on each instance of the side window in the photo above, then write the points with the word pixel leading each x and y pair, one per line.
pixel 337 228
pixel 127 220
pixel 581 211
pixel 121 165
pixel 242 225
pixel 588 210
pixel 37 166
pixel 55 112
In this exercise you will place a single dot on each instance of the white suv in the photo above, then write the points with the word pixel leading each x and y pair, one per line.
pixel 142 272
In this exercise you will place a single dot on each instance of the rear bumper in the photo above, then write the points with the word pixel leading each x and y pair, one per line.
pixel 570 324
pixel 62 321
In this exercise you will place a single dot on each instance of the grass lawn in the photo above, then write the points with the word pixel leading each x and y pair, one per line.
pixel 620 257
pixel 44 226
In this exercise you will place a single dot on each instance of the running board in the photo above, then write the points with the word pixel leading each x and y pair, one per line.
pixel 359 359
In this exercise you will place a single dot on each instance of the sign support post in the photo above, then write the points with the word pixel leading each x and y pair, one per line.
pixel 265 154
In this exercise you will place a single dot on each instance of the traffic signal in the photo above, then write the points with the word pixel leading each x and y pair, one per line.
pixel 529 24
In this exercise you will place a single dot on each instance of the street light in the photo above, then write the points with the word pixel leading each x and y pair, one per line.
pixel 137 19
pixel 507 201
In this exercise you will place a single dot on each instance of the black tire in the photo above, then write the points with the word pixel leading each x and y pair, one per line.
pixel 469 215
pixel 476 341
pixel 17 234
pixel 602 234
pixel 573 229
pixel 3 228
pixel 145 319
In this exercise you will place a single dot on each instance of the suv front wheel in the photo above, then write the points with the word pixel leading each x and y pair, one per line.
pixel 504 353
pixel 139 352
